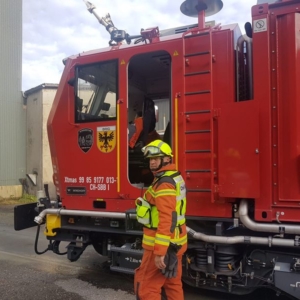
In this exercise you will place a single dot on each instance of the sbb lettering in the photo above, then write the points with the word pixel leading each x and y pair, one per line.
pixel 98 187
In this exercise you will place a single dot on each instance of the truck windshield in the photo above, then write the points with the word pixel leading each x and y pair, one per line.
pixel 96 93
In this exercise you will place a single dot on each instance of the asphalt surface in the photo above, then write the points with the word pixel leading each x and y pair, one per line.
pixel 26 275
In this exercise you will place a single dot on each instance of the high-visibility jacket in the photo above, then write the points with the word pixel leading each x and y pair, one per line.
pixel 138 122
pixel 162 211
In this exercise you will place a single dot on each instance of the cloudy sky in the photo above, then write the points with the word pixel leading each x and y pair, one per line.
pixel 56 29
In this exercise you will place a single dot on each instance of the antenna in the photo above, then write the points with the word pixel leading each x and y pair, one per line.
pixel 201 9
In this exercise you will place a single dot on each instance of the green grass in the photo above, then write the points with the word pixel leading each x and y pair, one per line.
pixel 26 198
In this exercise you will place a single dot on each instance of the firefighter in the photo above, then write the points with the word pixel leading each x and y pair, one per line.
pixel 162 212
pixel 137 134
pixel 138 125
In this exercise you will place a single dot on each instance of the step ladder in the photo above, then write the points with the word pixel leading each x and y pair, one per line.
pixel 198 111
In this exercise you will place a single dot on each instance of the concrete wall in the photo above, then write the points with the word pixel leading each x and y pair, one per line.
pixel 34 139
pixel 39 102
pixel 12 114
pixel 48 97
pixel 10 192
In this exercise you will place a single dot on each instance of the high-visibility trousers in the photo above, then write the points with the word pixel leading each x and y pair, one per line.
pixel 149 281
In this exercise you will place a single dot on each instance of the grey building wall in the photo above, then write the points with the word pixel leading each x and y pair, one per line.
pixel 38 160
pixel 12 114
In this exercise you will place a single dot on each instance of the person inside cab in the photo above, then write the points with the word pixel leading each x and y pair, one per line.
pixel 144 125
pixel 135 130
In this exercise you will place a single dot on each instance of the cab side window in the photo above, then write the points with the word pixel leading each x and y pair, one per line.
pixel 96 92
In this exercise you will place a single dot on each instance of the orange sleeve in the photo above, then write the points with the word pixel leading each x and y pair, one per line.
pixel 139 128
pixel 165 202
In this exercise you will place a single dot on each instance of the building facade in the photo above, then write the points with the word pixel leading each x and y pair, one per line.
pixel 38 163
pixel 12 113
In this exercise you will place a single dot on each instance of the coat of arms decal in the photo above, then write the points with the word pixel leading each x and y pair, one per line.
pixel 106 138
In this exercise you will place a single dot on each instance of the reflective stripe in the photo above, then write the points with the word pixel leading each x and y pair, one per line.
pixel 143 221
pixel 161 192
pixel 148 243
pixel 178 178
pixel 163 236
pixel 162 243
pixel 151 192
pixel 148 240
pixel 180 241
pixel 179 198
pixel 177 233
pixel 179 218
pixel 149 237
pixel 166 193
pixel 162 239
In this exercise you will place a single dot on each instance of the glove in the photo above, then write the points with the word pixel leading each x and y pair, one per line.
pixel 171 261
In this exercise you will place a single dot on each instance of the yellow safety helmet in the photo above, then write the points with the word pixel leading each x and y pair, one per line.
pixel 157 148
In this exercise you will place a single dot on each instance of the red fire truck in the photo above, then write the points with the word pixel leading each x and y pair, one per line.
pixel 229 106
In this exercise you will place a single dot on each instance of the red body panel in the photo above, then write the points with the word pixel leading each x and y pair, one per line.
pixel 289 108
pixel 239 150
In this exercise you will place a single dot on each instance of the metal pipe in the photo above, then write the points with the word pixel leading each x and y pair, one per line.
pixel 243 212
pixel 265 227
pixel 201 19
pixel 82 213
pixel 240 49
pixel 269 241
pixel 239 45
pixel 249 65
